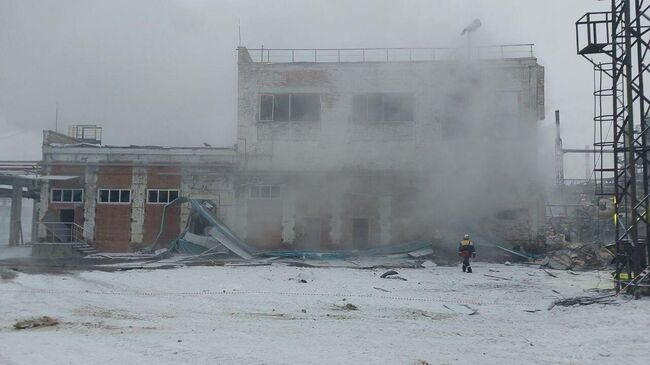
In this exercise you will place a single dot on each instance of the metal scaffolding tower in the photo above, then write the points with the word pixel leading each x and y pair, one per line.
pixel 617 43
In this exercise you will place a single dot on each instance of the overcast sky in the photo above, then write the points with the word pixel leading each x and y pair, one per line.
pixel 164 72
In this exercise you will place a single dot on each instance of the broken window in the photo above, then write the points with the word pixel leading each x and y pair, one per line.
pixel 161 196
pixel 66 195
pixel 264 192
pixel 114 196
pixel 383 107
pixel 290 107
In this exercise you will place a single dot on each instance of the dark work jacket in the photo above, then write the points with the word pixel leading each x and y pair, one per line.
pixel 466 245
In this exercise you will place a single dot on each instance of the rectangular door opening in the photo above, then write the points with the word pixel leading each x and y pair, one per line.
pixel 360 232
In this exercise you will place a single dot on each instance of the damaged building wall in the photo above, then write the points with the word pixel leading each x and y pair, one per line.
pixel 125 190
pixel 446 146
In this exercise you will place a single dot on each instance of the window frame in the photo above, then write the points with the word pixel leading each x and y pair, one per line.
pixel 271 192
pixel 365 99
pixel 158 202
pixel 119 197
pixel 289 107
pixel 71 201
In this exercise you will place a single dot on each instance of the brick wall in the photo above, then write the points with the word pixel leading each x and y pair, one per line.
pixel 113 221
pixel 157 179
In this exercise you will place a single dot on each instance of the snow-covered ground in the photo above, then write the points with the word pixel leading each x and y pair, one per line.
pixel 289 315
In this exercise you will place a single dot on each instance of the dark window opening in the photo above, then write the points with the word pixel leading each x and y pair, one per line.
pixel 125 196
pixel 56 195
pixel 153 196
pixel 385 107
pixel 66 195
pixel 162 196
pixel 290 107
pixel 114 196
pixel 266 107
pixel 77 195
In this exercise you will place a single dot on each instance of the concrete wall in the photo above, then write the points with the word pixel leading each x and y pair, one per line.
pixel 411 178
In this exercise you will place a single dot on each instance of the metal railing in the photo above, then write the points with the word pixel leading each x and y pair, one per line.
pixel 345 55
pixel 63 232
pixel 89 133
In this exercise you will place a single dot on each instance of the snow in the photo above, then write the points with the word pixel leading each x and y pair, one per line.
pixel 267 315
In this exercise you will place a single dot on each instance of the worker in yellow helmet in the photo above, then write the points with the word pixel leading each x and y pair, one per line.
pixel 465 250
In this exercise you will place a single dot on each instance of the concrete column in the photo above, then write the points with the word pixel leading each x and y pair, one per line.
pixel 138 201
pixel 385 219
pixel 43 206
pixel 336 232
pixel 15 229
pixel 90 202
pixel 186 191
pixel 288 214
pixel 241 212
pixel 35 215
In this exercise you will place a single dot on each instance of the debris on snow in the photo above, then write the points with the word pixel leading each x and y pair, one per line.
pixel 388 273
pixel 43 321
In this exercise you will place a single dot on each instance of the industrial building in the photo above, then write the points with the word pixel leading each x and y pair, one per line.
pixel 336 149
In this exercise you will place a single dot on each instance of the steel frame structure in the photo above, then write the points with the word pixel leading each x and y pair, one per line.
pixel 617 43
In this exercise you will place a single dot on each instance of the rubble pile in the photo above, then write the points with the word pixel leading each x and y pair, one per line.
pixel 578 257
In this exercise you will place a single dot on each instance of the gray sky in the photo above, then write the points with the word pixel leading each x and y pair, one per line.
pixel 164 72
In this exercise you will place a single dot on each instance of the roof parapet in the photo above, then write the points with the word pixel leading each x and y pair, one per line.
pixel 351 55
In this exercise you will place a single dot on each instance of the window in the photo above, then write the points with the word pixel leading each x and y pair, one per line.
pixel 66 195
pixel 290 107
pixel 265 192
pixel 161 196
pixel 114 196
pixel 385 107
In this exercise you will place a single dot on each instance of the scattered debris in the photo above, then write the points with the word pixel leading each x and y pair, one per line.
pixel 348 307
pixel 388 273
pixel 303 281
pixel 43 321
pixel 424 252
pixel 550 274
pixel 381 289
pixel 428 264
pixel 532 310
pixel 474 311
pixel 527 340
pixel 423 362
pixel 7 274
pixel 392 274
pixel 570 302
pixel 578 257
pixel 496 277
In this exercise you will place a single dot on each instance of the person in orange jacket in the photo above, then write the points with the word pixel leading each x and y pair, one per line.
pixel 465 250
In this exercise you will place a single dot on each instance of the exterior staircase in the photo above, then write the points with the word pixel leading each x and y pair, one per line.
pixel 68 232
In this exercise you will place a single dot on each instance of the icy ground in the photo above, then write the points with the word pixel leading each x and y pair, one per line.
pixel 268 315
